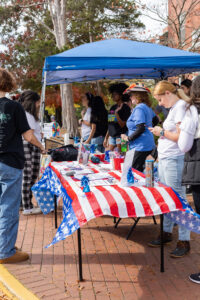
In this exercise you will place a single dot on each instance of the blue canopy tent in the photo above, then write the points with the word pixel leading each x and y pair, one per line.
pixel 118 59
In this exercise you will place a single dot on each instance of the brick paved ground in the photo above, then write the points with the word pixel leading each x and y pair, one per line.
pixel 113 267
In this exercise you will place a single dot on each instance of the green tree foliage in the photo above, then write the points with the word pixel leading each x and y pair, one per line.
pixel 93 20
pixel 27 31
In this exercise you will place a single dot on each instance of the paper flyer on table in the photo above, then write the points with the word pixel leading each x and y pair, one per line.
pixel 95 176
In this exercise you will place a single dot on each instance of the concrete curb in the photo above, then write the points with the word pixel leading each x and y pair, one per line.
pixel 13 288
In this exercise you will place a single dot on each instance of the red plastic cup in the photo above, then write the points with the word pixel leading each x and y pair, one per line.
pixel 117 163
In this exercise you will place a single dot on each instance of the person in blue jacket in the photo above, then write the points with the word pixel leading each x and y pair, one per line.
pixel 142 117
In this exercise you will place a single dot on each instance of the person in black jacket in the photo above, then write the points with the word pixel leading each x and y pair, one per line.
pixel 191 173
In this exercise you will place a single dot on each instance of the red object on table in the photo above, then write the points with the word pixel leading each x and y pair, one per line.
pixel 117 163
pixel 100 156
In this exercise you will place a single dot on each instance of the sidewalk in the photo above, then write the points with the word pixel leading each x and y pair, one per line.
pixel 113 268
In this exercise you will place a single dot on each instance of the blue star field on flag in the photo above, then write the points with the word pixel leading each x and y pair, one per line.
pixel 44 190
pixel 186 217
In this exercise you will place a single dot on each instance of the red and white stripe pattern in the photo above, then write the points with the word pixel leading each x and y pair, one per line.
pixel 118 201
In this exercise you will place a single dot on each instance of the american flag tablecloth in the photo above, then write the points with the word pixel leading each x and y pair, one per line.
pixel 113 200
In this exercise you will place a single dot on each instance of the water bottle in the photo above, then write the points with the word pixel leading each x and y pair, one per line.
pixel 76 141
pixel 123 146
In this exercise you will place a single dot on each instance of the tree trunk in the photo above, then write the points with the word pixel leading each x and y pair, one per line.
pixel 69 119
pixel 58 15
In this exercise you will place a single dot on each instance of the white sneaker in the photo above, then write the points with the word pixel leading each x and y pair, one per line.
pixel 32 211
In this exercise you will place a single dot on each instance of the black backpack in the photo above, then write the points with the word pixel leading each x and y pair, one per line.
pixel 64 153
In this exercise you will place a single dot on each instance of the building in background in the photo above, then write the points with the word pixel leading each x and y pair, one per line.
pixel 183 30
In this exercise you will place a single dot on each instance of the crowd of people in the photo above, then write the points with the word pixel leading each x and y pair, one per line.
pixel 133 120
pixel 130 119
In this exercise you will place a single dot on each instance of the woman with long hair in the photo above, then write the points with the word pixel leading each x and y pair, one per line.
pixel 191 174
pixel 31 102
pixel 99 123
pixel 171 158
pixel 142 117
pixel 117 116
pixel 190 134
pixel 86 116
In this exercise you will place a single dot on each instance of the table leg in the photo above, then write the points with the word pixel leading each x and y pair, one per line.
pixel 79 255
pixel 154 219
pixel 161 245
pixel 55 210
pixel 117 222
pixel 132 228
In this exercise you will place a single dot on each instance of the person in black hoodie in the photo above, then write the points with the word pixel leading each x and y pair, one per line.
pixel 191 174
pixel 117 116
pixel 99 123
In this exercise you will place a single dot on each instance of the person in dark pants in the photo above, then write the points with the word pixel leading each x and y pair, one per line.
pixel 30 101
pixel 191 173
pixel 142 117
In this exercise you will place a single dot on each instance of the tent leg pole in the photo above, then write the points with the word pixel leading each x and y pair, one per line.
pixel 42 108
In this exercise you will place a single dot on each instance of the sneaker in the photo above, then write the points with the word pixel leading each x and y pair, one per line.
pixel 195 277
pixel 182 248
pixel 17 257
pixel 32 211
pixel 188 190
pixel 167 239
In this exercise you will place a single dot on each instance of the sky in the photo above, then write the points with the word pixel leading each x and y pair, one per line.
pixel 153 27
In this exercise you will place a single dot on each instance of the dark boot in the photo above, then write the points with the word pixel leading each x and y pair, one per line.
pixel 182 248
pixel 167 238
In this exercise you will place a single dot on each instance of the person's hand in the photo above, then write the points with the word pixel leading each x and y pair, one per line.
pixel 43 150
pixel 105 143
pixel 124 137
pixel 86 142
pixel 80 121
pixel 83 113
pixel 119 107
pixel 155 130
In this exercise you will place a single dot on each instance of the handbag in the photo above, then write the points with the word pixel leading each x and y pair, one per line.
pixel 64 153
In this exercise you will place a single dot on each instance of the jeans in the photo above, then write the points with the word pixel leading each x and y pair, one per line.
pixel 170 173
pixel 10 198
pixel 85 138
pixel 115 140
pixel 99 141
